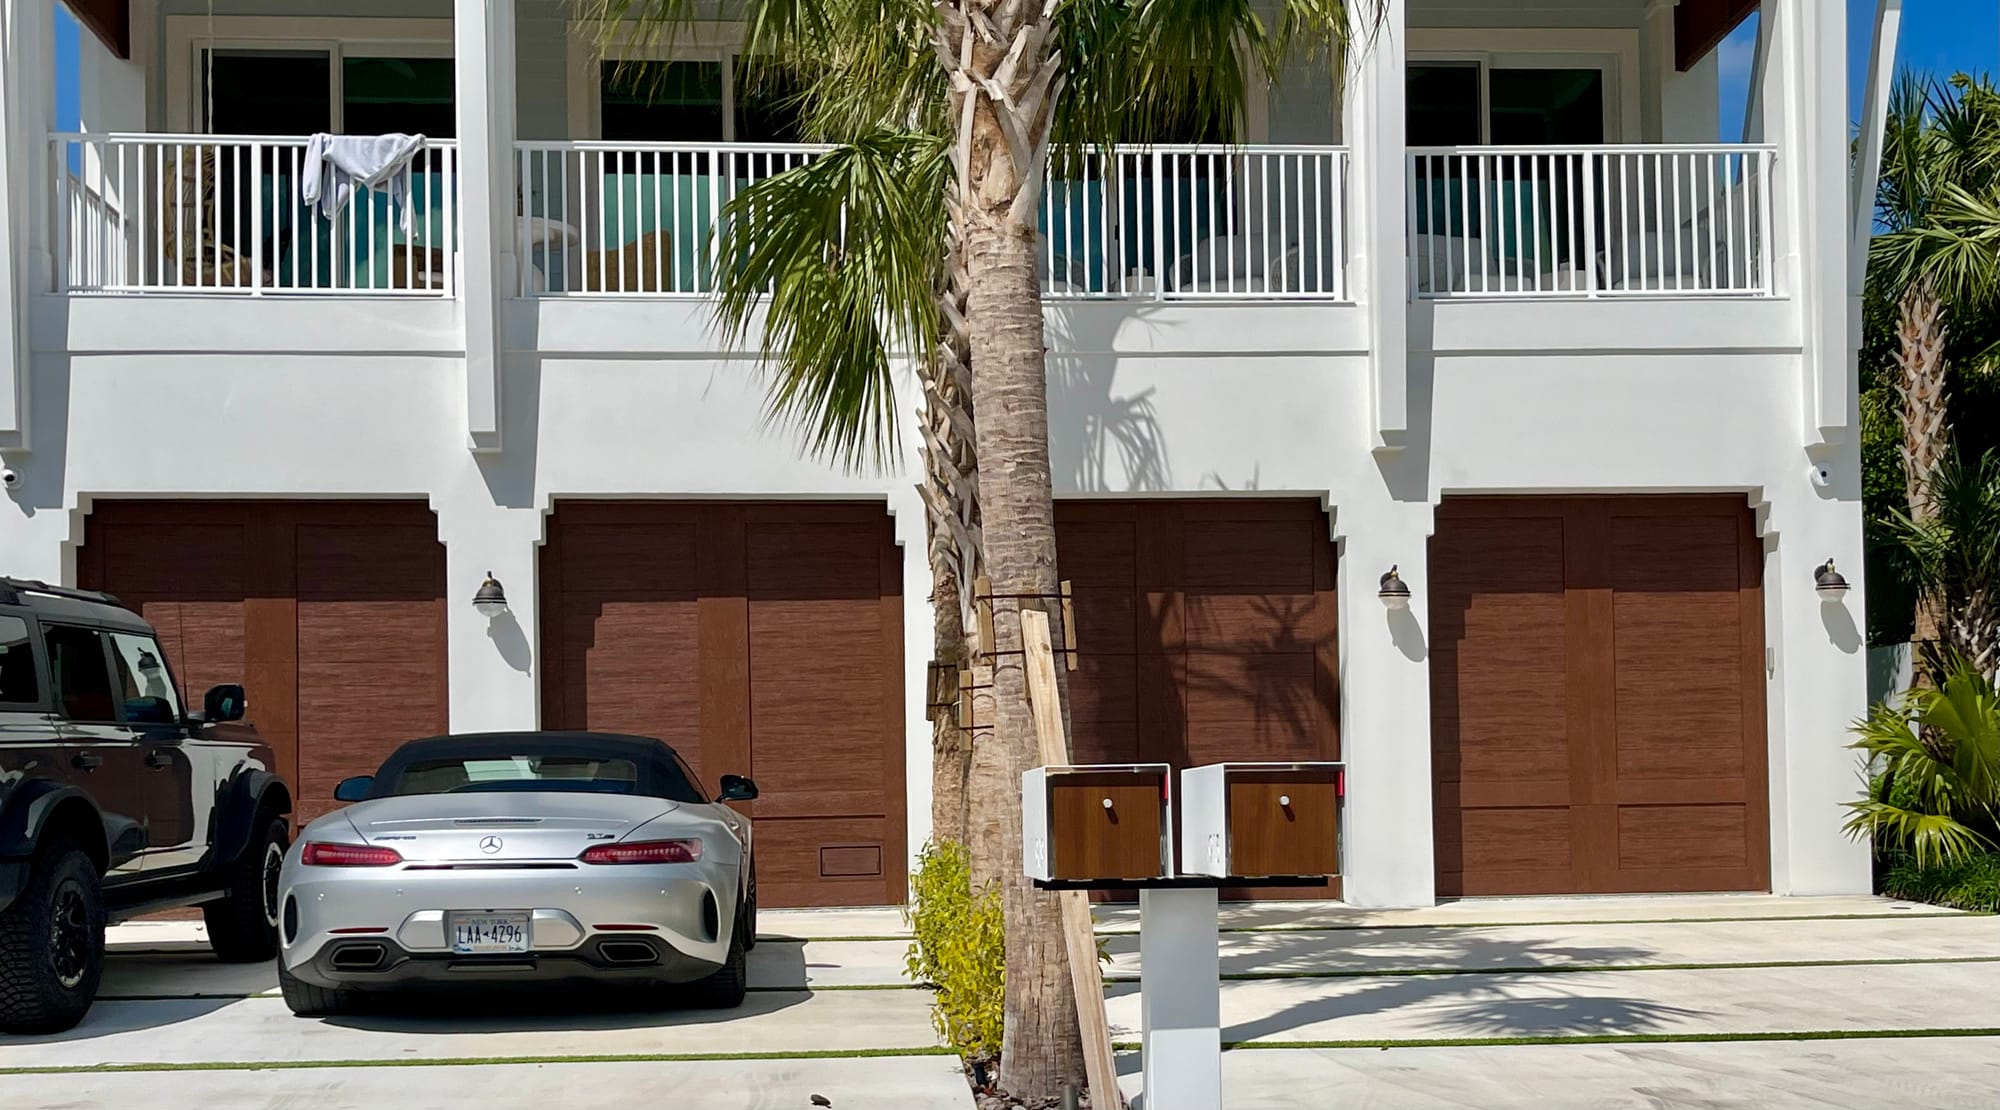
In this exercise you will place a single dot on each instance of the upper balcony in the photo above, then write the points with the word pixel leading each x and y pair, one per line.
pixel 1520 180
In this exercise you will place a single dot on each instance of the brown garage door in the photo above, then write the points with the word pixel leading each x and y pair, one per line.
pixel 1597 696
pixel 1205 631
pixel 760 639
pixel 331 614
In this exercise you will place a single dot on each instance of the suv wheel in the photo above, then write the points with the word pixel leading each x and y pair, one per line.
pixel 307 1000
pixel 750 913
pixel 52 943
pixel 243 926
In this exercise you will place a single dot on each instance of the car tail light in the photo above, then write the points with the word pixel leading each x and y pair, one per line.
pixel 321 854
pixel 645 851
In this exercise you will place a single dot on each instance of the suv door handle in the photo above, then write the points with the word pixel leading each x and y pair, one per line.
pixel 84 761
pixel 159 759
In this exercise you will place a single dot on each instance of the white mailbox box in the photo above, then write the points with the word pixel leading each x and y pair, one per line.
pixel 1258 820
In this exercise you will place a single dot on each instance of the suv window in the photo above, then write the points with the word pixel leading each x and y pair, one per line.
pixel 19 682
pixel 83 682
pixel 145 687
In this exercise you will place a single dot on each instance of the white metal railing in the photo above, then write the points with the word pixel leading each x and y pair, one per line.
pixel 617 218
pixel 1598 222
pixel 1168 223
pixel 1196 223
pixel 147 213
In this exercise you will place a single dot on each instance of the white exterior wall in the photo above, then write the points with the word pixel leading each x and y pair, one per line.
pixel 191 397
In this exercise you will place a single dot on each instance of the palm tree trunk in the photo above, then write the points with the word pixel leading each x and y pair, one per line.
pixel 951 497
pixel 1920 382
pixel 1004 84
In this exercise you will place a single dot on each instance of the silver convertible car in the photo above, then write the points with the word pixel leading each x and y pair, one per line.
pixel 499 858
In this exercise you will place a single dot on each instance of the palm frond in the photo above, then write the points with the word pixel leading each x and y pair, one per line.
pixel 838 262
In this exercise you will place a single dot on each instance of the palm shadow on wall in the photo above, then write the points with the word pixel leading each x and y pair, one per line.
pixel 1090 426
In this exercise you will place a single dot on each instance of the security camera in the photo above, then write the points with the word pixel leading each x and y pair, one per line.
pixel 1822 475
pixel 10 477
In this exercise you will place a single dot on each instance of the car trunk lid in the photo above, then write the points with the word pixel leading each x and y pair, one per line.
pixel 502 828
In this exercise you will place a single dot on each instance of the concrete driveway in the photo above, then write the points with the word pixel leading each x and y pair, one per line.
pixel 1656 1002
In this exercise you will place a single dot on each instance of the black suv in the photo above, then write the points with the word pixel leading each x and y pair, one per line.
pixel 115 801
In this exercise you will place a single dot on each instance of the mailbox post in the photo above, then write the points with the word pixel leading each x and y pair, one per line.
pixel 1241 825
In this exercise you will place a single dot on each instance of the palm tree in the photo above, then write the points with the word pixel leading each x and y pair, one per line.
pixel 980 90
pixel 1954 553
pixel 1938 259
pixel 1938 796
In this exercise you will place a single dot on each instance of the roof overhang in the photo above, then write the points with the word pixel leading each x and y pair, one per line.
pixel 109 20
pixel 1701 25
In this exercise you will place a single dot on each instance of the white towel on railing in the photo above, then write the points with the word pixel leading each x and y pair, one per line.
pixel 336 165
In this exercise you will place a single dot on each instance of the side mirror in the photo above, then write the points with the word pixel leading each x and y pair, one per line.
pixel 355 789
pixel 736 788
pixel 223 703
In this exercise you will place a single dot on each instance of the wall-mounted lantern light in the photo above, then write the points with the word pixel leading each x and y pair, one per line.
pixel 1394 593
pixel 1828 583
pixel 491 600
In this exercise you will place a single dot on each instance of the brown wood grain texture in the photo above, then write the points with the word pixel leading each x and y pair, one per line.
pixel 759 638
pixel 1598 696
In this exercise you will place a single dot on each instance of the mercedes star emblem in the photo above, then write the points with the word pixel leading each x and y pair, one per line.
pixel 490 845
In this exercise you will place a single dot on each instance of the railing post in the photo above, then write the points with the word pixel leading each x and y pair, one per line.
pixel 62 250
pixel 1590 223
pixel 1410 260
pixel 1159 225
pixel 256 176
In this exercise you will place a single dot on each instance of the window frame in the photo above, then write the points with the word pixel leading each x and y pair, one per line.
pixel 61 708
pixel 1613 51
pixel 178 699
pixel 38 656
pixel 188 36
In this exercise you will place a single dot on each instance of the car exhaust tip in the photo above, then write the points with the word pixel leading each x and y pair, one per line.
pixel 358 957
pixel 627 952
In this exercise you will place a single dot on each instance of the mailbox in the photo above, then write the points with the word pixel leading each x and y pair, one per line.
pixel 1097 823
pixel 1253 820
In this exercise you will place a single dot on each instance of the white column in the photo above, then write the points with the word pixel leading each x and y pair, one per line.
pixel 1372 121
pixel 1818 685
pixel 495 662
pixel 918 635
pixel 1805 100
pixel 1385 705
pixel 1180 999
pixel 483 34
pixel 26 119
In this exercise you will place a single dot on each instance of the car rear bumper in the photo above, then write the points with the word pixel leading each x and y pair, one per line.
pixel 378 964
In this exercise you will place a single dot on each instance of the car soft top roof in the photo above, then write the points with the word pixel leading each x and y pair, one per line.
pixel 654 758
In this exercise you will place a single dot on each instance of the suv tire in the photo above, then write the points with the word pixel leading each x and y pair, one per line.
pixel 724 988
pixel 52 943
pixel 750 913
pixel 306 1000
pixel 243 926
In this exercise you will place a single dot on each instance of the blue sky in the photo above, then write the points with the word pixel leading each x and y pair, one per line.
pixel 1943 36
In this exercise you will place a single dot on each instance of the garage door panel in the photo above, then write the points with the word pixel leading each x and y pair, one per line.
pixel 823 861
pixel 644 562
pixel 357 563
pixel 152 560
pixel 332 682
pixel 1096 552
pixel 1105 619
pixel 1230 740
pixel 1607 649
pixel 1682 836
pixel 760 639
pixel 1246 556
pixel 1258 622
pixel 1103 690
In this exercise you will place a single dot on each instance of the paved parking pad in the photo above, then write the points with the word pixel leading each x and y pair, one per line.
pixel 902 1083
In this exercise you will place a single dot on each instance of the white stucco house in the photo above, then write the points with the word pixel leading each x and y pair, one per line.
pixel 1494 308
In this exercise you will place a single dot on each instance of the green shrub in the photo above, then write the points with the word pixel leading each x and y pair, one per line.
pixel 1972 883
pixel 960 949
pixel 1936 752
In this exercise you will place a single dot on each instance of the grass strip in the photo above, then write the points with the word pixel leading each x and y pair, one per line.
pixel 1574 969
pixel 479 1061
pixel 1357 927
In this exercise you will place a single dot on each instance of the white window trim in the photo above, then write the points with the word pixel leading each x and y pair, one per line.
pixel 697 42
pixel 1614 51
pixel 188 35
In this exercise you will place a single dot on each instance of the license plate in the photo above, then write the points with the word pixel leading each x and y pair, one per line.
pixel 476 934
